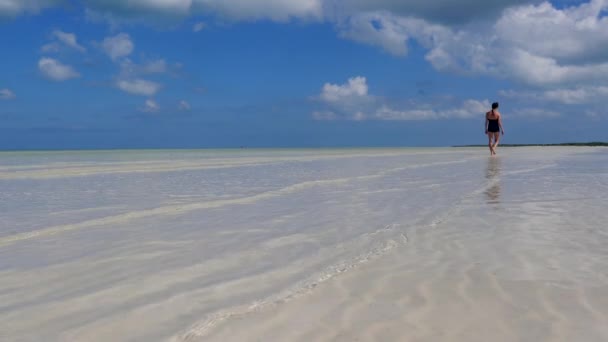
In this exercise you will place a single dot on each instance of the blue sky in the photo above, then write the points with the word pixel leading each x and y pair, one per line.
pixel 306 73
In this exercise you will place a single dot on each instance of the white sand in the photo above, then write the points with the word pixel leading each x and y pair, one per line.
pixel 388 245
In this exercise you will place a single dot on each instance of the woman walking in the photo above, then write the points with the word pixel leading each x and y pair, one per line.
pixel 493 128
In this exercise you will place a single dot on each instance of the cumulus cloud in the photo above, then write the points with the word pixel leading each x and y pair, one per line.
pixel 344 100
pixel 138 87
pixel 535 44
pixel 118 46
pixel 158 66
pixel 55 70
pixel 355 87
pixel 578 95
pixel 133 8
pixel 277 10
pixel 183 105
pixel 528 41
pixel 7 94
pixel 150 106
pixel 51 47
pixel 129 78
pixel 380 29
pixel 557 51
pixel 11 8
pixel 443 11
pixel 62 39
pixel 447 12
pixel 352 101
pixel 570 35
pixel 550 46
pixel 68 39
pixel 537 70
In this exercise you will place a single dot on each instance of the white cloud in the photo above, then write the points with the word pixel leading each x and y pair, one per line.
pixel 68 39
pixel 118 46
pixel 534 113
pixel 352 101
pixel 158 66
pixel 441 11
pixel 535 44
pixel 445 11
pixel 138 87
pixel 377 28
pixel 543 71
pixel 551 46
pixel 130 78
pixel 278 10
pixel 10 8
pixel 55 70
pixel 198 27
pixel 183 105
pixel 163 10
pixel 50 47
pixel 345 100
pixel 355 87
pixel 393 33
pixel 578 95
pixel 468 109
pixel 559 52
pixel 567 35
pixel 7 94
pixel 570 96
pixel 132 8
pixel 359 116
pixel 150 106
pixel 60 39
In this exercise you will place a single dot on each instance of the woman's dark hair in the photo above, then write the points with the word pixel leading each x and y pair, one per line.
pixel 494 105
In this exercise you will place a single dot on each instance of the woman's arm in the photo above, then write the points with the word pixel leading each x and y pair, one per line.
pixel 500 124
pixel 486 123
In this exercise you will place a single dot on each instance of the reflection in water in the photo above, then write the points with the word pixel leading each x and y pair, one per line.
pixel 493 177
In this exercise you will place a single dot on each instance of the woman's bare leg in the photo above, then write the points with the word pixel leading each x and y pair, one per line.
pixel 496 141
pixel 490 134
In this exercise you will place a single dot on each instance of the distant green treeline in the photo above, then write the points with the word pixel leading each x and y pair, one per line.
pixel 593 143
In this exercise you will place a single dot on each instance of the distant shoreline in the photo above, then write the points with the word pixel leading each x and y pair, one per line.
pixel 156 149
pixel 589 144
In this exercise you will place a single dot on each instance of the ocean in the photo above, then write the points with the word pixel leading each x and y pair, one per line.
pixel 156 245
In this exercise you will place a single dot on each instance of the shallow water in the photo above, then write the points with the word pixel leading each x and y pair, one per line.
pixel 153 245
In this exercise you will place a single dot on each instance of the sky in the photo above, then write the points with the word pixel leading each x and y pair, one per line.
pixel 299 73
